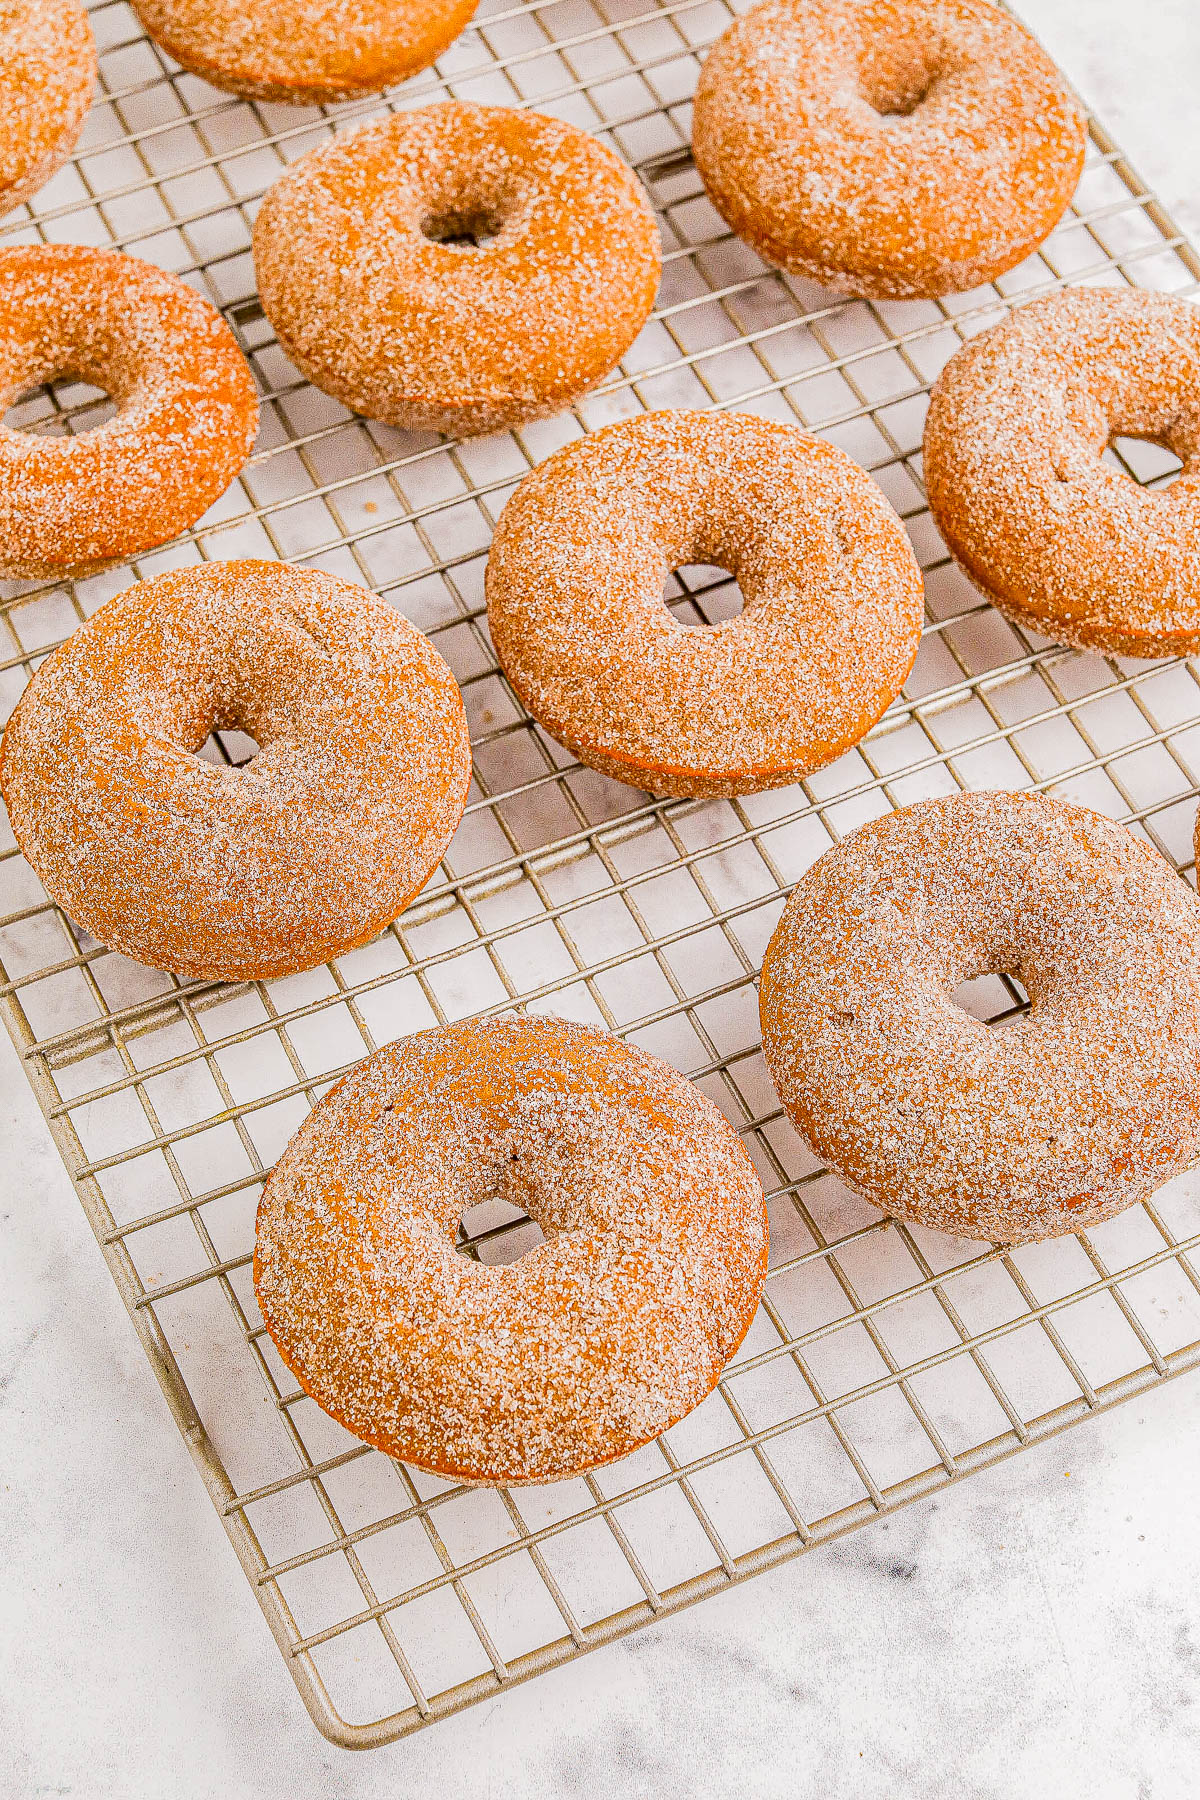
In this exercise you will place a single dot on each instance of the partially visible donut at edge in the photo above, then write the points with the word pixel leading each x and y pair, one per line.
pixel 1018 423
pixel 47 75
pixel 304 51
pixel 186 408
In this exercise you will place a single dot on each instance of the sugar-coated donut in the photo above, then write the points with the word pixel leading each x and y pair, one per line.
pixel 887 147
pixel 1064 1117
pixel 47 73
pixel 1017 426
pixel 304 50
pixel 186 419
pixel 586 1347
pixel 460 268
pixel 832 592
pixel 313 846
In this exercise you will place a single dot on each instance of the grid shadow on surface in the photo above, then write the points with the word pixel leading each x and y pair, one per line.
pixel 885 1360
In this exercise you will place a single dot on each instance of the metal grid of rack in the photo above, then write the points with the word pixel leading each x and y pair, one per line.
pixel 885 1361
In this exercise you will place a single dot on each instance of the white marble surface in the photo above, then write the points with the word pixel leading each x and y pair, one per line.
pixel 1034 1631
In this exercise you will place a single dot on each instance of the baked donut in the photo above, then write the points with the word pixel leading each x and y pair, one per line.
pixel 887 147
pixel 186 419
pixel 458 269
pixel 833 601
pixel 589 1345
pixel 304 51
pixel 47 73
pixel 1068 1115
pixel 358 782
pixel 1017 426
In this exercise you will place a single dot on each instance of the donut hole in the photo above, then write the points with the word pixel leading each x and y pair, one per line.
pixel 63 406
pixel 895 110
pixel 995 998
pixel 896 86
pixel 229 749
pixel 1148 461
pixel 702 595
pixel 463 227
pixel 494 1232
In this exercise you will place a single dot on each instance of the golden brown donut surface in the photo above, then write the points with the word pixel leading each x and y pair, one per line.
pixel 304 50
pixel 371 269
pixel 312 847
pixel 1066 1116
pixel 1017 426
pixel 47 72
pixel 587 1346
pixel 831 620
pixel 186 419
pixel 887 147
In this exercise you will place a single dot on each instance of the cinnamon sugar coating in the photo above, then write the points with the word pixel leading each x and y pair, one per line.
pixel 47 73
pixel 830 627
pixel 586 1347
pixel 1059 1120
pixel 375 302
pixel 311 848
pixel 304 51
pixel 887 147
pixel 1017 425
pixel 186 420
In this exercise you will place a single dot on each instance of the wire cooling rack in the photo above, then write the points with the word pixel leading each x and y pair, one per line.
pixel 886 1361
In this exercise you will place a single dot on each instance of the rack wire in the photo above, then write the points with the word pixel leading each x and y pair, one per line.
pixel 885 1361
